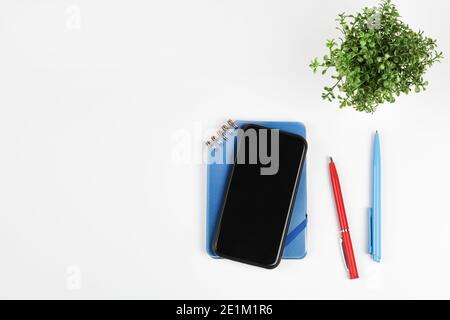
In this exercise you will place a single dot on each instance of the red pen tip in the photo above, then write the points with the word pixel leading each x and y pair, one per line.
pixel 331 159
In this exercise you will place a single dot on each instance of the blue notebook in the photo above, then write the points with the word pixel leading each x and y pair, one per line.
pixel 218 173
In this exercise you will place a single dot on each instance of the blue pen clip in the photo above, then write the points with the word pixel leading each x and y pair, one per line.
pixel 370 233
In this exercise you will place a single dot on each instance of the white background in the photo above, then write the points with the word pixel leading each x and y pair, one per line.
pixel 94 202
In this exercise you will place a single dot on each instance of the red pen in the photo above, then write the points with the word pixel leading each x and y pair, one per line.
pixel 345 239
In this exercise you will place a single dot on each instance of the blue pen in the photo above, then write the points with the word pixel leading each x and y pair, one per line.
pixel 375 211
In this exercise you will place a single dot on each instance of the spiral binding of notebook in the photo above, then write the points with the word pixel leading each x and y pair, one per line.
pixel 223 133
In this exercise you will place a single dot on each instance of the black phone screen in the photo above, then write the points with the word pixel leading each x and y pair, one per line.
pixel 261 192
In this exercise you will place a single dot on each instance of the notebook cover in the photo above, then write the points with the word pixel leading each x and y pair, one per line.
pixel 218 173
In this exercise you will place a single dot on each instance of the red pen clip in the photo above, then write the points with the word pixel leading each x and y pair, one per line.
pixel 342 252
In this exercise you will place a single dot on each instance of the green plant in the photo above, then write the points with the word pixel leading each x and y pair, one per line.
pixel 377 58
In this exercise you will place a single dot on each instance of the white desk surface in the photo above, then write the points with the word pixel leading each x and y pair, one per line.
pixel 95 97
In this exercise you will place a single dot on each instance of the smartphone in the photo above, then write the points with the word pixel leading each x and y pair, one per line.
pixel 260 195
